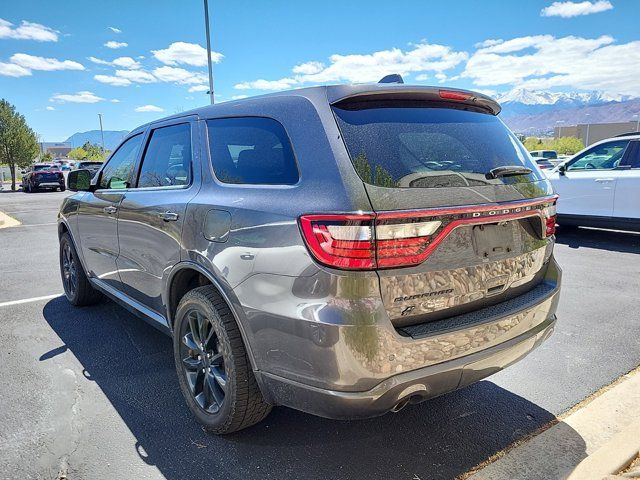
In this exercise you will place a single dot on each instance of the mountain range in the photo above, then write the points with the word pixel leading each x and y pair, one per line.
pixel 537 112
pixel 112 138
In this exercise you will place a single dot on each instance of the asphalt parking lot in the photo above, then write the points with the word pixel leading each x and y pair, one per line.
pixel 92 392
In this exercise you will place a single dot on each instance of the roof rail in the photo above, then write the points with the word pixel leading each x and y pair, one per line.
pixel 393 78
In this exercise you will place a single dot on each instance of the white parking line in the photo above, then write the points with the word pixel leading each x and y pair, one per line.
pixel 29 300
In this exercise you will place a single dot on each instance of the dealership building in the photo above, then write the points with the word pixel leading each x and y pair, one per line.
pixel 591 133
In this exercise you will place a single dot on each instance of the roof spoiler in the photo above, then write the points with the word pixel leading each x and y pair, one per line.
pixel 393 78
pixel 409 93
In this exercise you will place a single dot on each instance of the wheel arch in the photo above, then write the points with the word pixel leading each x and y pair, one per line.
pixel 187 275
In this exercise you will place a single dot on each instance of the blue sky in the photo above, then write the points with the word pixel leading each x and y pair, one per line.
pixel 60 73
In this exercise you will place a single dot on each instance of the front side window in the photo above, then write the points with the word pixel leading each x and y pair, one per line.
pixel 418 146
pixel 118 172
pixel 606 156
pixel 167 160
pixel 251 150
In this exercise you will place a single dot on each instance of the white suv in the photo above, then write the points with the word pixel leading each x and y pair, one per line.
pixel 600 186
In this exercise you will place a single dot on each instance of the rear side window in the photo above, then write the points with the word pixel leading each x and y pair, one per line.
pixel 251 150
pixel 118 171
pixel 167 160
pixel 421 146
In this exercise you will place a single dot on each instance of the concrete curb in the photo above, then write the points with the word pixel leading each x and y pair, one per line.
pixel 616 455
pixel 6 221
pixel 596 439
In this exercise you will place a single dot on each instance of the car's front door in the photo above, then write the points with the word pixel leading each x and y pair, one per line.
pixel 588 185
pixel 98 213
pixel 151 215
pixel 627 198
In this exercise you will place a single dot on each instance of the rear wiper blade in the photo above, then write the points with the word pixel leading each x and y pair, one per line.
pixel 508 171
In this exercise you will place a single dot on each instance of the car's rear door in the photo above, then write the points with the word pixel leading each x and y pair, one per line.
pixel 98 213
pixel 151 215
pixel 626 203
pixel 450 237
pixel 588 185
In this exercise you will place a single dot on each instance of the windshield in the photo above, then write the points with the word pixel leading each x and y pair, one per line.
pixel 392 146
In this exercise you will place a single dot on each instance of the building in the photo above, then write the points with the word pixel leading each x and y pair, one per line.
pixel 594 132
pixel 56 149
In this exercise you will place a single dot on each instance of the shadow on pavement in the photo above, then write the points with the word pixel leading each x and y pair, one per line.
pixel 612 240
pixel 132 364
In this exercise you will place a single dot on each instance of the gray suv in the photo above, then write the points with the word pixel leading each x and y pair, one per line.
pixel 342 250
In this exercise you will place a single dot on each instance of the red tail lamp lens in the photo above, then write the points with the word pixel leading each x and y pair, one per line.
pixel 453 95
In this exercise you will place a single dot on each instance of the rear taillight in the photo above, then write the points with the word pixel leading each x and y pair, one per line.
pixel 342 241
pixel 368 241
pixel 549 214
pixel 357 242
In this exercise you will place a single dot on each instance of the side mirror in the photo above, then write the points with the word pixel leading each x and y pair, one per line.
pixel 23 172
pixel 562 169
pixel 79 181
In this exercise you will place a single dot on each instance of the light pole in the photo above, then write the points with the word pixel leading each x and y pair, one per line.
pixel 637 122
pixel 206 27
pixel 587 139
pixel 101 132
pixel 559 123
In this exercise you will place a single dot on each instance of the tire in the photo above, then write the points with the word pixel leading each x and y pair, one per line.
pixel 77 288
pixel 62 189
pixel 27 188
pixel 219 388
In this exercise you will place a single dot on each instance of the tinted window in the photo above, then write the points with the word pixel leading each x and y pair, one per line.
pixel 394 146
pixel 602 157
pixel 167 160
pixel 118 172
pixel 251 151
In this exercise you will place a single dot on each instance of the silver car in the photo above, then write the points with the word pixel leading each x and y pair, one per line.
pixel 343 250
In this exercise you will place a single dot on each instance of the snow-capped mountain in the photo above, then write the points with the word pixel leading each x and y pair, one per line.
pixel 540 97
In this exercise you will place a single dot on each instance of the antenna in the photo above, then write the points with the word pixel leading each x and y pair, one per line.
pixel 393 78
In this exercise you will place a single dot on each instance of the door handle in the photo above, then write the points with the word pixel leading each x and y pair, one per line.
pixel 604 180
pixel 168 216
pixel 110 209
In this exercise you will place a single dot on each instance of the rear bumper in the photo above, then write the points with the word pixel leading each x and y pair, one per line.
pixel 435 359
pixel 410 387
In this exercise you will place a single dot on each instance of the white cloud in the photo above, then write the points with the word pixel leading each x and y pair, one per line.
pixel 27 31
pixel 80 97
pixel 32 62
pixel 50 108
pixel 179 75
pixel 422 77
pixel 115 30
pixel 138 76
pixel 149 108
pixel 124 62
pixel 543 61
pixel 111 80
pixel 574 9
pixel 185 53
pixel 308 68
pixel 114 45
pixel 422 57
pixel 114 100
pixel 12 70
pixel 199 88
pixel 261 84
pixel 239 97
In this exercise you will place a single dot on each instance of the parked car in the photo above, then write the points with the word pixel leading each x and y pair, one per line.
pixel 93 167
pixel 543 163
pixel 600 186
pixel 342 250
pixel 548 154
pixel 41 176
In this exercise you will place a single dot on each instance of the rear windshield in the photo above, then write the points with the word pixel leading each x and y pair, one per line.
pixel 421 146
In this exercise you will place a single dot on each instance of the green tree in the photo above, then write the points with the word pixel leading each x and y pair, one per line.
pixel 94 152
pixel 47 157
pixel 18 143
pixel 563 145
pixel 78 153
